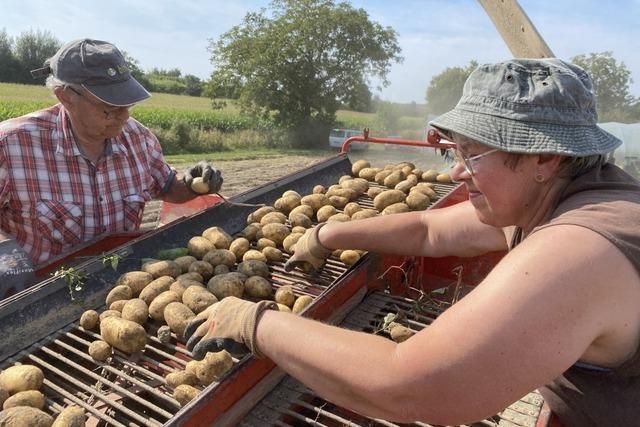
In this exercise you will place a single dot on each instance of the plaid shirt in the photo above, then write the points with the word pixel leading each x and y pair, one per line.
pixel 52 198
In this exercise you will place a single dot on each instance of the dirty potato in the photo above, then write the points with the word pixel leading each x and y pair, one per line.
pixel 291 240
pixel 368 173
pixel 136 310
pixel 184 262
pixel 272 254
pixel 305 210
pixel 220 238
pixel 349 257
pixel 283 308
pixel 394 179
pixel 198 246
pixel 224 285
pixel 338 202
pixel 374 191
pixel 122 334
pixel 351 208
pixel 203 268
pixel 176 378
pixel 444 178
pixel 258 287
pixel 364 213
pixel 177 316
pixel 135 280
pixel 213 366
pixel 358 165
pixel 109 313
pixel 301 303
pixel 285 296
pixel 198 298
pixel 162 268
pixel 157 306
pixel 300 220
pixel 71 416
pixel 286 204
pixel 31 398
pixel 117 305
pixel 118 293
pixel 254 268
pixel 430 175
pixel 257 215
pixel 21 378
pixel 25 416
pixel 185 393
pixel 339 217
pixel 179 286
pixel 318 189
pixel 395 209
pixel 89 320
pixel 325 212
pixel 239 247
pixel 155 288
pixel 387 198
pixel 315 201
pixel 100 350
pixel 220 256
pixel 275 232
pixel 417 201
pixel 250 231
pixel 273 217
pixel 190 276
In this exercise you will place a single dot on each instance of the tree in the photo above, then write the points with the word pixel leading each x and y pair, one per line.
pixel 31 49
pixel 388 116
pixel 445 89
pixel 8 63
pixel 611 82
pixel 136 71
pixel 299 63
pixel 360 98
pixel 193 85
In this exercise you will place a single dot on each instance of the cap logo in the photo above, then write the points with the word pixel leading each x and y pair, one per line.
pixel 111 72
pixel 122 69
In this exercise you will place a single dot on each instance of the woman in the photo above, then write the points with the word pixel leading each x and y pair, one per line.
pixel 558 312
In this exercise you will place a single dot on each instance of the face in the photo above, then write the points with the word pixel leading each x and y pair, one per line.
pixel 500 195
pixel 92 117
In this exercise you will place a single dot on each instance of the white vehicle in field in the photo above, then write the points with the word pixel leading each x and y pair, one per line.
pixel 338 136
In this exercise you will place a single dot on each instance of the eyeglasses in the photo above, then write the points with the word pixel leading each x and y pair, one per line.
pixel 108 114
pixel 454 156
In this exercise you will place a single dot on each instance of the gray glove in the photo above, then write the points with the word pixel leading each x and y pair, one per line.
pixel 16 270
pixel 209 174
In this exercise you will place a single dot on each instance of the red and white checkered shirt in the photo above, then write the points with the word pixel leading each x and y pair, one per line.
pixel 52 198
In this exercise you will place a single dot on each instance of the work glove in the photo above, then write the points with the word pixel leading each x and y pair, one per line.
pixel 309 250
pixel 16 270
pixel 209 175
pixel 226 325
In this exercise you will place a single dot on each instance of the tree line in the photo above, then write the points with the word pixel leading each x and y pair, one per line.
pixel 28 51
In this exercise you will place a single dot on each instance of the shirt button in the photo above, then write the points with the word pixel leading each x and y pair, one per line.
pixel 100 198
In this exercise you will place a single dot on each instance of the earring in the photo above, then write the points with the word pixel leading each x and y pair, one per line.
pixel 539 178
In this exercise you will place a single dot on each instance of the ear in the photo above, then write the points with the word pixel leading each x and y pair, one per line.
pixel 548 164
pixel 63 96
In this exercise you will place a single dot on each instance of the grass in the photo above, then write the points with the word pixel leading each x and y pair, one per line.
pixel 240 154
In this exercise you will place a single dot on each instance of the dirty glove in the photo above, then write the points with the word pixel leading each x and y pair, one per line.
pixel 16 270
pixel 227 325
pixel 209 174
pixel 309 249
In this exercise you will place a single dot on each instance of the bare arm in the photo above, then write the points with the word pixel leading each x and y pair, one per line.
pixel 537 313
pixel 454 230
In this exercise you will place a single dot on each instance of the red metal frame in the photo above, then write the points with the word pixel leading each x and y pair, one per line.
pixel 433 141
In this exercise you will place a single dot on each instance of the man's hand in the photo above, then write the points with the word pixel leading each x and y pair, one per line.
pixel 309 249
pixel 227 325
pixel 16 270
pixel 209 174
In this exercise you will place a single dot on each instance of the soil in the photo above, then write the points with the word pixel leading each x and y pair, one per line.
pixel 242 175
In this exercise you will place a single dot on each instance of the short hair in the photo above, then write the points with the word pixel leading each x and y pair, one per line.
pixel 53 83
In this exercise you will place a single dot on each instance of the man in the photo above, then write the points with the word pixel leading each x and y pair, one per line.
pixel 83 167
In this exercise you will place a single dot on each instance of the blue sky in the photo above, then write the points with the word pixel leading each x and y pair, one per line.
pixel 433 34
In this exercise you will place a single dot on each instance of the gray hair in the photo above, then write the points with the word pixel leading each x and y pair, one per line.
pixel 53 83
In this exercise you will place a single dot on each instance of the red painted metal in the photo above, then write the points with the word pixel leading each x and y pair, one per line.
pixel 396 141
pixel 172 211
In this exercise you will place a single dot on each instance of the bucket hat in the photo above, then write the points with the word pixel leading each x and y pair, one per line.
pixel 529 106
pixel 99 67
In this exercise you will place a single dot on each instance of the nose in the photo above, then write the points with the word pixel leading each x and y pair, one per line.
pixel 458 172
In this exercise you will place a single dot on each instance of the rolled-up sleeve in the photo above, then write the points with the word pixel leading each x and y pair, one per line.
pixel 161 172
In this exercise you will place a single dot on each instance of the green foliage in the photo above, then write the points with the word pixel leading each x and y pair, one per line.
pixel 301 62
pixel 611 80
pixel 31 49
pixel 445 89
pixel 388 116
pixel 223 121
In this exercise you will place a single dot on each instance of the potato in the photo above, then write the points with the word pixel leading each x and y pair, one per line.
pixel 109 313
pixel 276 232
pixel 388 198
pixel 254 268
pixel 338 202
pixel 430 175
pixel 396 208
pixel 118 293
pixel 300 220
pixel 257 215
pixel 404 164
pixel 284 308
pixel 406 185
pixel 224 285
pixel 213 367
pixel 4 395
pixel 178 287
pixel 285 296
pixel 176 378
pixel 220 269
pixel 198 299
pixel 89 320
pixel 198 246
pixel 164 334
pixel 345 193
pixel 399 333
pixel 339 217
pixel 337 252
pixel 220 256
pixel 135 280
pixel 286 204
pixel 125 335
pixel 374 191
pixel 305 210
pixel 318 189
pixel 368 173
pixel 325 212
pixel 315 201
pixel 299 229
pixel 25 416
pixel 380 176
pixel 273 217
pixel 177 316
pixel 203 268
pixel 255 255
pixel 359 185
pixel 417 201
pixel 163 268
pixel 351 208
pixel 358 165
pixel 444 178
pixel 250 231
pixel 184 262
pixel 185 393
pixel 155 288
pixel 239 247
pixel 365 213
pixel 349 257
pixel 100 350
pixel 258 287
pixel 291 240
pixel 301 303
pixel 220 238
pixel 291 193
pixel 272 254
pixel 192 275
pixel 427 191
pixel 21 378
pixel 136 310
pixel 31 398
pixel 157 306
pixel 393 179
pixel 117 305
pixel 71 416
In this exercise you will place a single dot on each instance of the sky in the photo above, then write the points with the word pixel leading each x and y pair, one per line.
pixel 433 34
